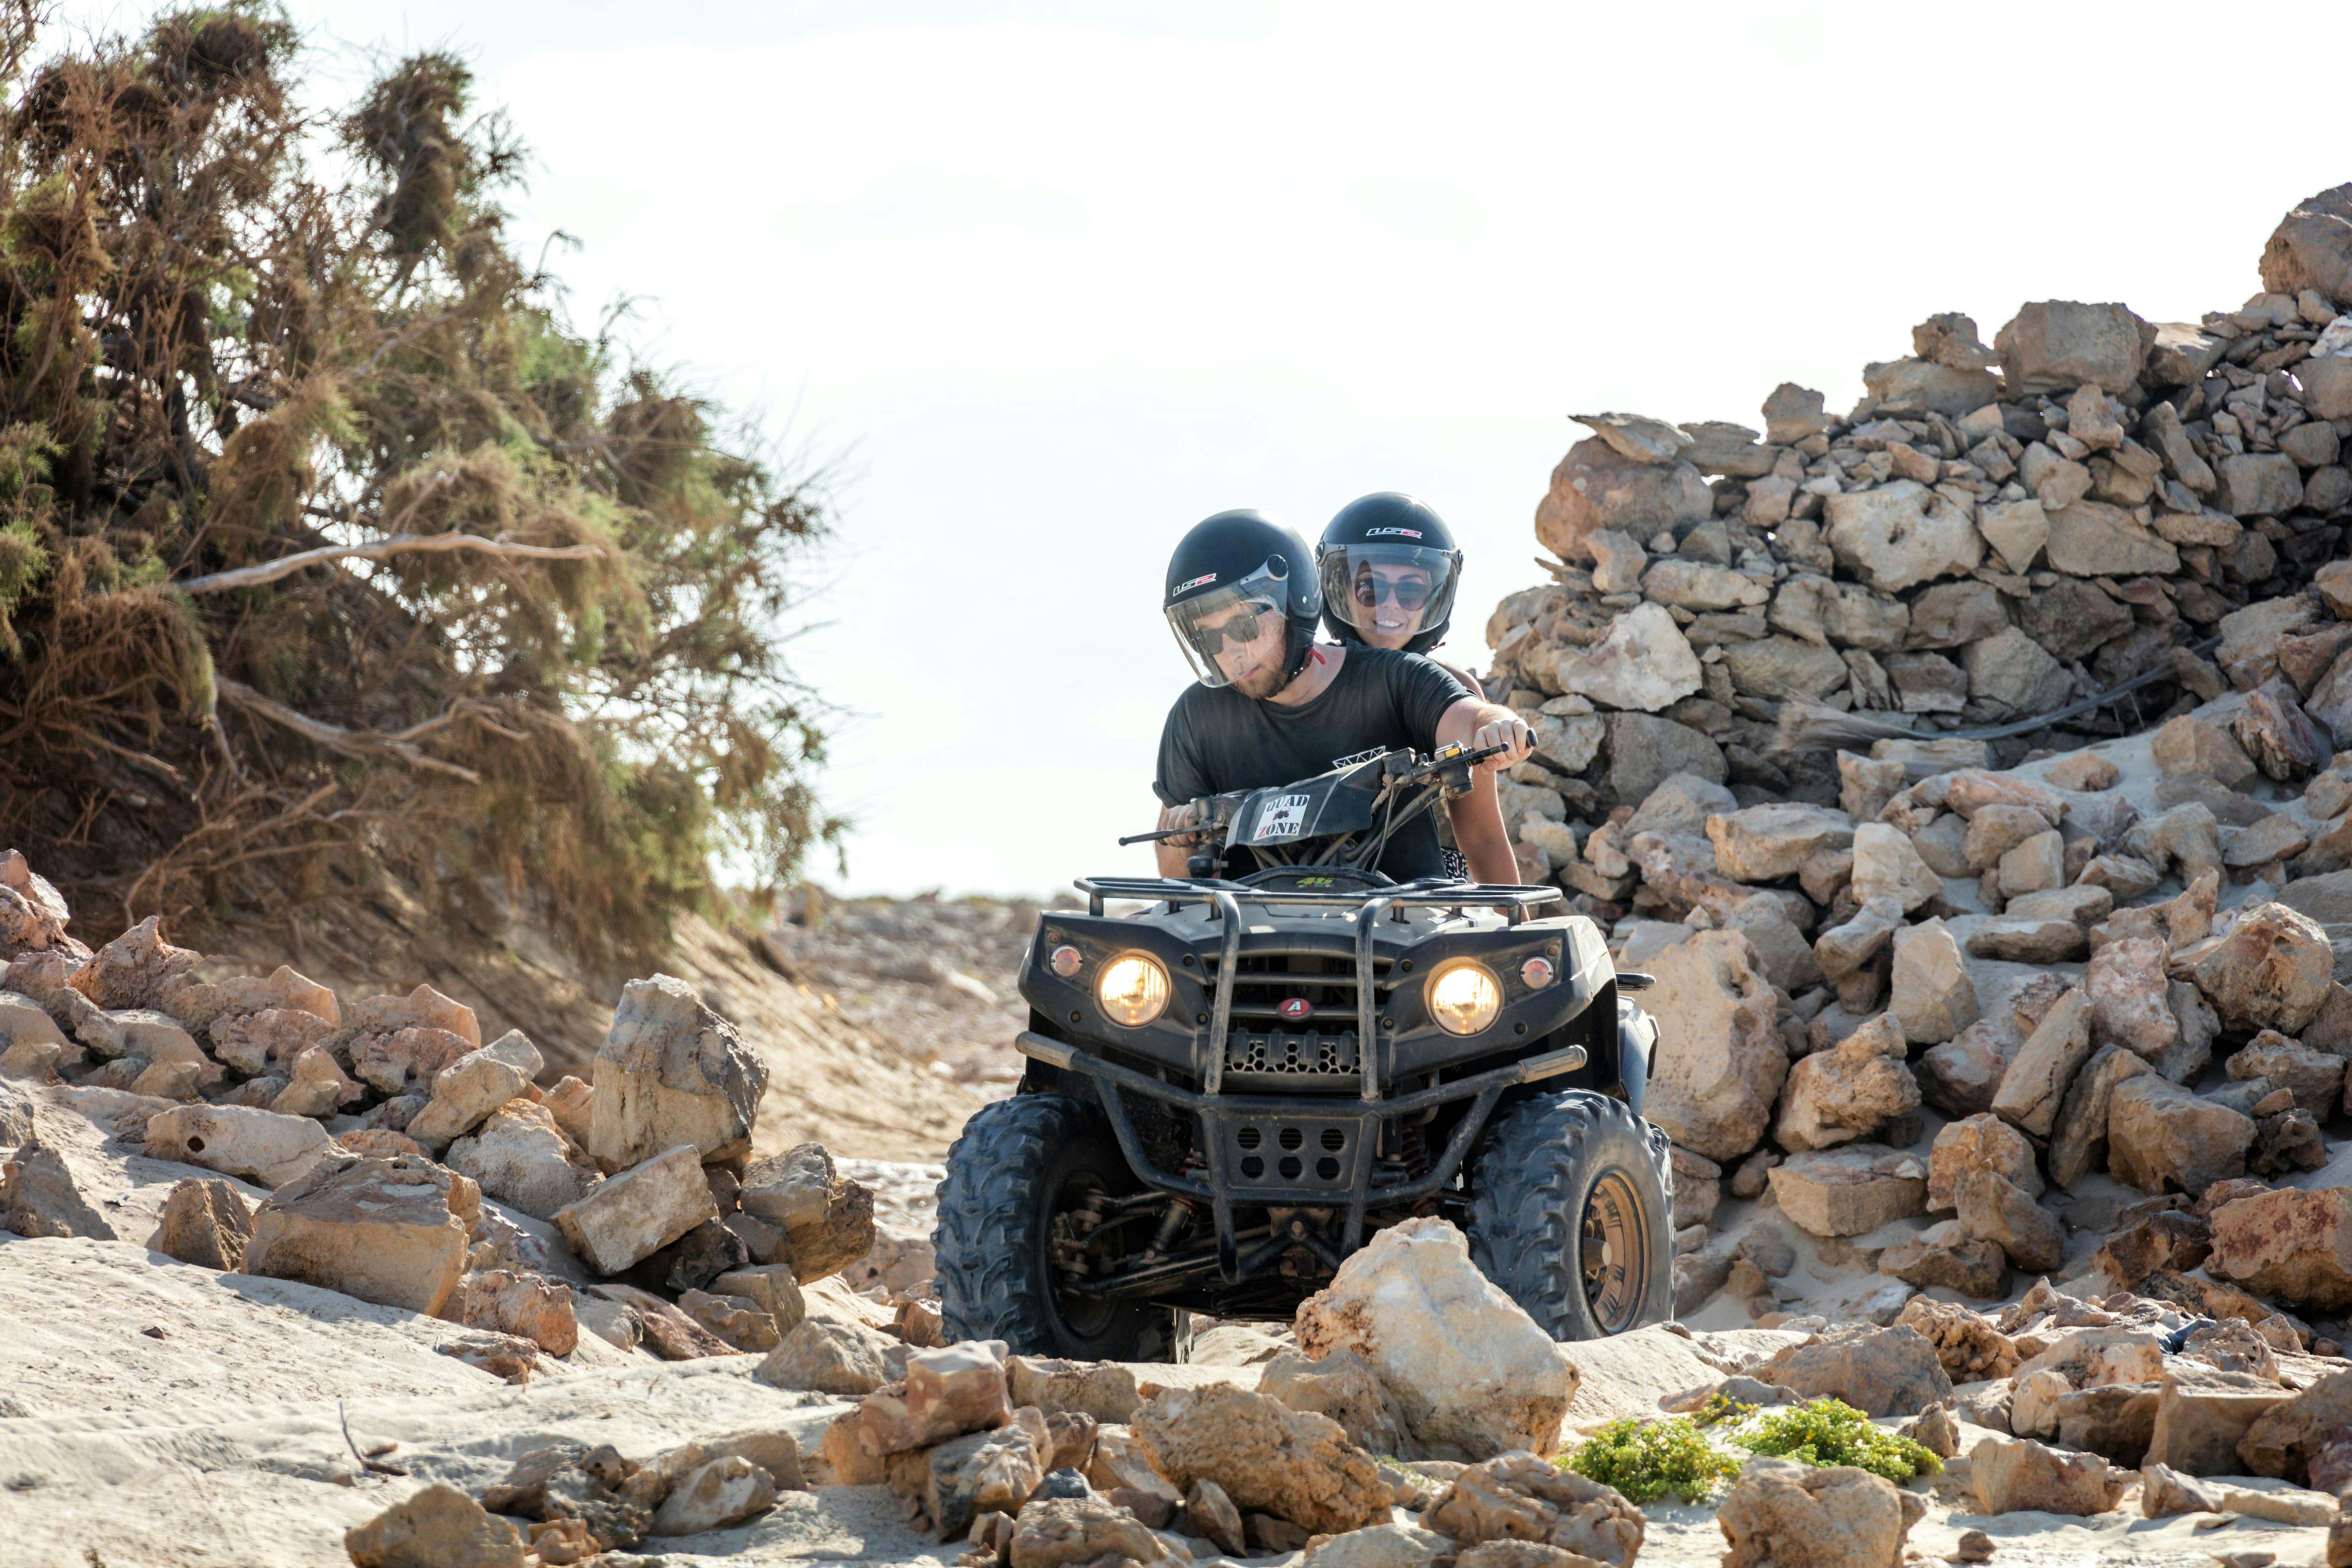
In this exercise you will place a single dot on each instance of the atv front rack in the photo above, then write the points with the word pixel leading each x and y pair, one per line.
pixel 1212 1106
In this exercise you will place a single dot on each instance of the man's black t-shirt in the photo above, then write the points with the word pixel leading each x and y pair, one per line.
pixel 1217 739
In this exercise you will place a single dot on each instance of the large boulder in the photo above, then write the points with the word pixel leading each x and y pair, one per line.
pixel 1518 1497
pixel 1470 1370
pixel 946 1393
pixel 260 1146
pixel 1339 1384
pixel 1896 536
pixel 827 1220
pixel 1849 1091
pixel 1645 752
pixel 1268 1459
pixel 1932 997
pixel 1980 1143
pixel 1597 487
pixel 1879 1371
pixel 2288 1246
pixel 2312 248
pixel 2162 1137
pixel 1067 1533
pixel 2016 1475
pixel 2034 1087
pixel 636 1214
pixel 473 1086
pixel 2078 1140
pixel 1887 865
pixel 438 1526
pixel 1765 843
pixel 822 1356
pixel 2058 345
pixel 2270 971
pixel 1849 1190
pixel 1968 1346
pixel 520 1156
pixel 2125 980
pixel 1783 1514
pixel 2202 1412
pixel 205 1222
pixel 672 1071
pixel 1643 664
pixel 394 1231
pixel 2283 1439
pixel 1720 1061
pixel 38 1195
pixel 1992 1208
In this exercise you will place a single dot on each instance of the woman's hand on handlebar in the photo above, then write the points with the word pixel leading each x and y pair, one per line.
pixel 1511 733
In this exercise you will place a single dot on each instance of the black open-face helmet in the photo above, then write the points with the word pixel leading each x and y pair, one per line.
pixel 1387 557
pixel 1229 572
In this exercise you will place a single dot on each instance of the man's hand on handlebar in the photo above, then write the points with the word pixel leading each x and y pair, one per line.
pixel 1183 815
pixel 1512 734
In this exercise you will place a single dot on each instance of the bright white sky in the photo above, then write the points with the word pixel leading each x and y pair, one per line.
pixel 1050 280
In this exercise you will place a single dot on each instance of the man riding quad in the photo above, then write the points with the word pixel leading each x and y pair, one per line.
pixel 1306 1028
pixel 1272 705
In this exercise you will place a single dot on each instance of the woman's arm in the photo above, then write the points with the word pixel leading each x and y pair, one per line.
pixel 1479 830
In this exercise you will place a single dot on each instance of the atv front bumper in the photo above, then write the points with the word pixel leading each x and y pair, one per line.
pixel 1288 1136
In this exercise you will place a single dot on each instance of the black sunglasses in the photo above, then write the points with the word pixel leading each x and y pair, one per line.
pixel 1241 631
pixel 1406 595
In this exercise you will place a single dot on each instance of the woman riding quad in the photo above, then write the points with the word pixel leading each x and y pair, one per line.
pixel 1388 568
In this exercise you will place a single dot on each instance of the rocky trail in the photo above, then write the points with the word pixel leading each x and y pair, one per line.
pixel 2004 1054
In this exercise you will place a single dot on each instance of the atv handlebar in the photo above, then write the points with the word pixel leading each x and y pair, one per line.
pixel 1212 819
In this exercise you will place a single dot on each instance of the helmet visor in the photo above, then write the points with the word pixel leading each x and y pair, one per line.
pixel 1235 630
pixel 1388 591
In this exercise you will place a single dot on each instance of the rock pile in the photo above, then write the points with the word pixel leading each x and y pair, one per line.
pixel 1956 979
pixel 566 1502
pixel 1989 535
pixel 404 1163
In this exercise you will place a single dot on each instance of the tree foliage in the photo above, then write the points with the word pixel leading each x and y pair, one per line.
pixel 221 347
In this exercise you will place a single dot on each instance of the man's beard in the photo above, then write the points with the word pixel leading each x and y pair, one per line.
pixel 1261 684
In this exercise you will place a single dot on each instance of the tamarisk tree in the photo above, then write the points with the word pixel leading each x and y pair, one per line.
pixel 326 550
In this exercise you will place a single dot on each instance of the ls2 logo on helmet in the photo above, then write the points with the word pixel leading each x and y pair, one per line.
pixel 1392 533
pixel 1296 1009
pixel 1199 581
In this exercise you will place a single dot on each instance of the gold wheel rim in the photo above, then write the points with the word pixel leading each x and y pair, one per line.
pixel 1616 1254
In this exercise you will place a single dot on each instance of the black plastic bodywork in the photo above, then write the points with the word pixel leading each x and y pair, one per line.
pixel 1225 1102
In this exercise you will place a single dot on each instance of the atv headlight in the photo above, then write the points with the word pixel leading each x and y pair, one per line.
pixel 1133 990
pixel 1464 996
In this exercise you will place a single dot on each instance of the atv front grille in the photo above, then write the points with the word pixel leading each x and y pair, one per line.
pixel 1325 982
pixel 1304 1054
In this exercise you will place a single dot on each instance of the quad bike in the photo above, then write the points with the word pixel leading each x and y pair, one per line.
pixel 1227 1091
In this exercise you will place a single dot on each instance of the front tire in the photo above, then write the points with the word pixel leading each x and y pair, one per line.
pixel 1570 1213
pixel 1021 1167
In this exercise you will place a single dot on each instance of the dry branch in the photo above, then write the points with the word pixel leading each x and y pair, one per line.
pixel 352 742
pixel 399 543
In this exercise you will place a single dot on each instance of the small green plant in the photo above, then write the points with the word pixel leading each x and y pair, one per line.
pixel 1646 1460
pixel 1832 1432
pixel 1719 1408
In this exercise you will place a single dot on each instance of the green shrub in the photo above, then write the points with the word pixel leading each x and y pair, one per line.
pixel 1646 1460
pixel 1832 1432
pixel 1721 1407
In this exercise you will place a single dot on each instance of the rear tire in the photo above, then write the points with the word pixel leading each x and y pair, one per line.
pixel 1018 1164
pixel 1571 1213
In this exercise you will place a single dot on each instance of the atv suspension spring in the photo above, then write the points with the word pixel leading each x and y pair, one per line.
pixel 1409 1144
